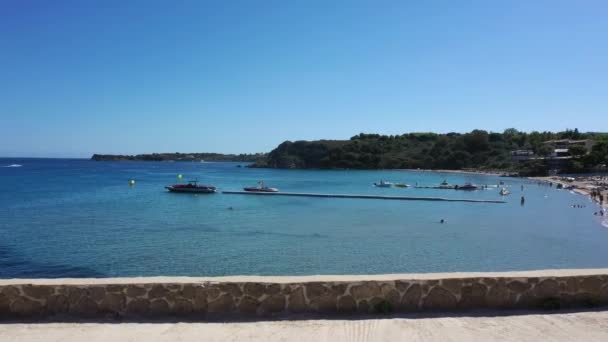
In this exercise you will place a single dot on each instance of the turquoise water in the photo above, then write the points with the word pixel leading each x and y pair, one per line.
pixel 79 218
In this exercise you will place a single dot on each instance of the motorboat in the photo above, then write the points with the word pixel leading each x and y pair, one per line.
pixel 192 187
pixel 467 186
pixel 504 192
pixel 401 185
pixel 260 188
pixel 446 185
pixel 383 184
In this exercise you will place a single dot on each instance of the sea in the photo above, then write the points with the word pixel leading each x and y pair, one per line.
pixel 82 218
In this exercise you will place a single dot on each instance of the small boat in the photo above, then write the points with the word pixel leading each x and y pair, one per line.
pixel 504 192
pixel 401 185
pixel 192 187
pixel 467 186
pixel 260 188
pixel 446 185
pixel 383 184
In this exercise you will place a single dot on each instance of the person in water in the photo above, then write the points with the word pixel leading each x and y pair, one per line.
pixel 523 200
pixel 442 221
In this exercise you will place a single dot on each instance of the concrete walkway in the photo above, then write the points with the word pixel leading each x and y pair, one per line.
pixel 581 326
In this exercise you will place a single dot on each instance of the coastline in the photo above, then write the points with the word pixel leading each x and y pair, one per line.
pixel 471 172
pixel 580 187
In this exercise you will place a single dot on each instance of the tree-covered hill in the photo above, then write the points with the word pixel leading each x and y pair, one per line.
pixel 181 157
pixel 454 151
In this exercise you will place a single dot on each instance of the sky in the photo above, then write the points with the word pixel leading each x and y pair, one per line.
pixel 126 77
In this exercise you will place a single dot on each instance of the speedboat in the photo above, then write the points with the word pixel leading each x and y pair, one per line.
pixel 467 186
pixel 504 192
pixel 402 185
pixel 260 188
pixel 192 187
pixel 383 184
pixel 446 185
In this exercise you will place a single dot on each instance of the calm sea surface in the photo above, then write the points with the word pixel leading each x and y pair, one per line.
pixel 80 218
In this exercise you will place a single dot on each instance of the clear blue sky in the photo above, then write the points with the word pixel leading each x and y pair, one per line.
pixel 83 77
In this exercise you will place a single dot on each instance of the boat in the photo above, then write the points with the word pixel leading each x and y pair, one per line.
pixel 192 187
pixel 260 188
pixel 467 186
pixel 383 184
pixel 504 192
pixel 446 185
pixel 401 185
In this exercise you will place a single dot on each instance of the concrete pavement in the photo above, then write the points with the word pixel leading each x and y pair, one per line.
pixel 577 326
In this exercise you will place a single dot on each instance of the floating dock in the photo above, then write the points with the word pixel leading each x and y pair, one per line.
pixel 397 198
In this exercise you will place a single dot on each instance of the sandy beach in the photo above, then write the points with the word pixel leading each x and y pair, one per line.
pixel 472 172
pixel 582 185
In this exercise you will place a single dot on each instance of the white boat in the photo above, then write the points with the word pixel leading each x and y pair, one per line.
pixel 260 188
pixel 504 192
pixel 383 184
pixel 446 185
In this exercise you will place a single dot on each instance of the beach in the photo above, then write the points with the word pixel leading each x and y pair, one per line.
pixel 583 185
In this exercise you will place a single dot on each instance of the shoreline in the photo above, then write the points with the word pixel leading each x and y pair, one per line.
pixel 471 172
pixel 580 187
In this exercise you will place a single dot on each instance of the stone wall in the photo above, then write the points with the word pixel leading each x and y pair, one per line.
pixel 195 298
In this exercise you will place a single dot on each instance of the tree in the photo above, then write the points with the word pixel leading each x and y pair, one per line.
pixel 544 150
pixel 577 150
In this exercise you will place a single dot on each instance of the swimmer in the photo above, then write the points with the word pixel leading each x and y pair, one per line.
pixel 442 221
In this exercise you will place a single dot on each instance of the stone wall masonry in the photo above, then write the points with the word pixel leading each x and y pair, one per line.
pixel 207 297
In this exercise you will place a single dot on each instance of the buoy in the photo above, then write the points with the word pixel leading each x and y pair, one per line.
pixel 132 182
pixel 179 176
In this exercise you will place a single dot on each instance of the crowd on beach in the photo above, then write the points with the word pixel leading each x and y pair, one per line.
pixel 596 187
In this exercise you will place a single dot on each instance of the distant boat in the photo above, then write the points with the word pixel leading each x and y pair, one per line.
pixel 383 184
pixel 467 186
pixel 504 192
pixel 446 185
pixel 192 187
pixel 260 188
pixel 402 185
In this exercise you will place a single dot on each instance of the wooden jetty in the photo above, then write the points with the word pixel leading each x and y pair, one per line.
pixel 398 198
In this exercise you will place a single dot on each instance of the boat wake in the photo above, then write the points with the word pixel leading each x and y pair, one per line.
pixel 13 165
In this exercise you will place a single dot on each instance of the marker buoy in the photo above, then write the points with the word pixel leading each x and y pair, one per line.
pixel 132 182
